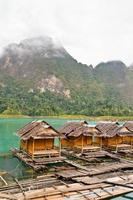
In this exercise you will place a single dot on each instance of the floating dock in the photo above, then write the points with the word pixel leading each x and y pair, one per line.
pixel 93 176
pixel 61 190
pixel 38 164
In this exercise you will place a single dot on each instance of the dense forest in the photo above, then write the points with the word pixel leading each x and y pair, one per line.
pixel 38 78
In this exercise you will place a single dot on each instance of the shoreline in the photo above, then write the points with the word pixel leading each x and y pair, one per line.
pixel 80 117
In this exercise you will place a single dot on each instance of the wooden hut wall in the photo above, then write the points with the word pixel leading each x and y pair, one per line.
pixel 30 146
pixel 127 139
pixel 109 141
pixel 119 139
pixel 71 142
pixel 77 141
pixel 87 140
pixel 39 144
pixel 66 143
pixel 97 141
pixel 23 144
pixel 43 144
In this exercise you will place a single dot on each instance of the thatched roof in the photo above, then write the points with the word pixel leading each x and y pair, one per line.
pixel 93 131
pixel 129 125
pixel 76 129
pixel 126 129
pixel 108 129
pixel 37 130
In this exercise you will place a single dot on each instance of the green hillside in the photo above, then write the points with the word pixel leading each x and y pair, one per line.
pixel 39 77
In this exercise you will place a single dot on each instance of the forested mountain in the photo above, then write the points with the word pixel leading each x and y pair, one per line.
pixel 39 77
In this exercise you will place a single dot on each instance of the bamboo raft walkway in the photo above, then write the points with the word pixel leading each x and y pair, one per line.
pixel 31 184
pixel 80 180
pixel 81 187
pixel 43 187
pixel 77 191
pixel 99 169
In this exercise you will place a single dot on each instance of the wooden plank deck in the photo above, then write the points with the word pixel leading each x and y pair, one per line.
pixel 89 148
pixel 49 153
pixel 87 180
pixel 101 169
pixel 76 191
pixel 69 174
pixel 121 147
pixel 36 163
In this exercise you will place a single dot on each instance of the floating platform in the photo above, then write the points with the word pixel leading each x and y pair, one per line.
pixel 68 184
pixel 76 191
pixel 77 177
pixel 37 163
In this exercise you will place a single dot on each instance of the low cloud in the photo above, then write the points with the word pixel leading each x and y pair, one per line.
pixel 91 30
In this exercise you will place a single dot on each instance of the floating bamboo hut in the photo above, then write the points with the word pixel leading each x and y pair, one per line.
pixel 114 136
pixel 126 133
pixel 37 144
pixel 80 136
pixel 38 139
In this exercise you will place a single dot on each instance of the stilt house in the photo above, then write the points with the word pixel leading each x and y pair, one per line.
pixel 80 136
pixel 112 135
pixel 126 133
pixel 37 139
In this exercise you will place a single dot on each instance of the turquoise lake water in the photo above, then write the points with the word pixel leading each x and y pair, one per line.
pixel 9 139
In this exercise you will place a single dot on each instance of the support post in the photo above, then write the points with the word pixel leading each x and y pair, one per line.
pixel 59 147
pixel 26 149
pixel 20 146
pixel 116 144
pixel 82 145
pixel 101 144
pixel 131 142
pixel 33 149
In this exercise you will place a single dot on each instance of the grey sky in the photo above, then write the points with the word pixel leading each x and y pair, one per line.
pixel 92 31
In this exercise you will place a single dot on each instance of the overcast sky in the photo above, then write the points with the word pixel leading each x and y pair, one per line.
pixel 92 31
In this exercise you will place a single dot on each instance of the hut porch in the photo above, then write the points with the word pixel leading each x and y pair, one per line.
pixel 119 147
pixel 88 148
pixel 46 153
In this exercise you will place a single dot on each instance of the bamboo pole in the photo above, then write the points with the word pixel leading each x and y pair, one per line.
pixel 20 145
pixel 101 144
pixel 3 180
pixel 131 142
pixel 33 149
pixel 26 146
pixel 59 146
pixel 116 144
pixel 82 145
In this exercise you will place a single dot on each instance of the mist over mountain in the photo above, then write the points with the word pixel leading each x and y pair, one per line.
pixel 39 77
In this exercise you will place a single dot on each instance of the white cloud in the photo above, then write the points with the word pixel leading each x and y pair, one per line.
pixel 91 30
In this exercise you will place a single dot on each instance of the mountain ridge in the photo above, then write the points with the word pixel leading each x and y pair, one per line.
pixel 39 77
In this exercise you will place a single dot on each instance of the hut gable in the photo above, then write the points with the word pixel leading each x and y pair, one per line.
pixel 92 131
pixel 129 125
pixel 108 129
pixel 74 129
pixel 37 129
pixel 127 129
